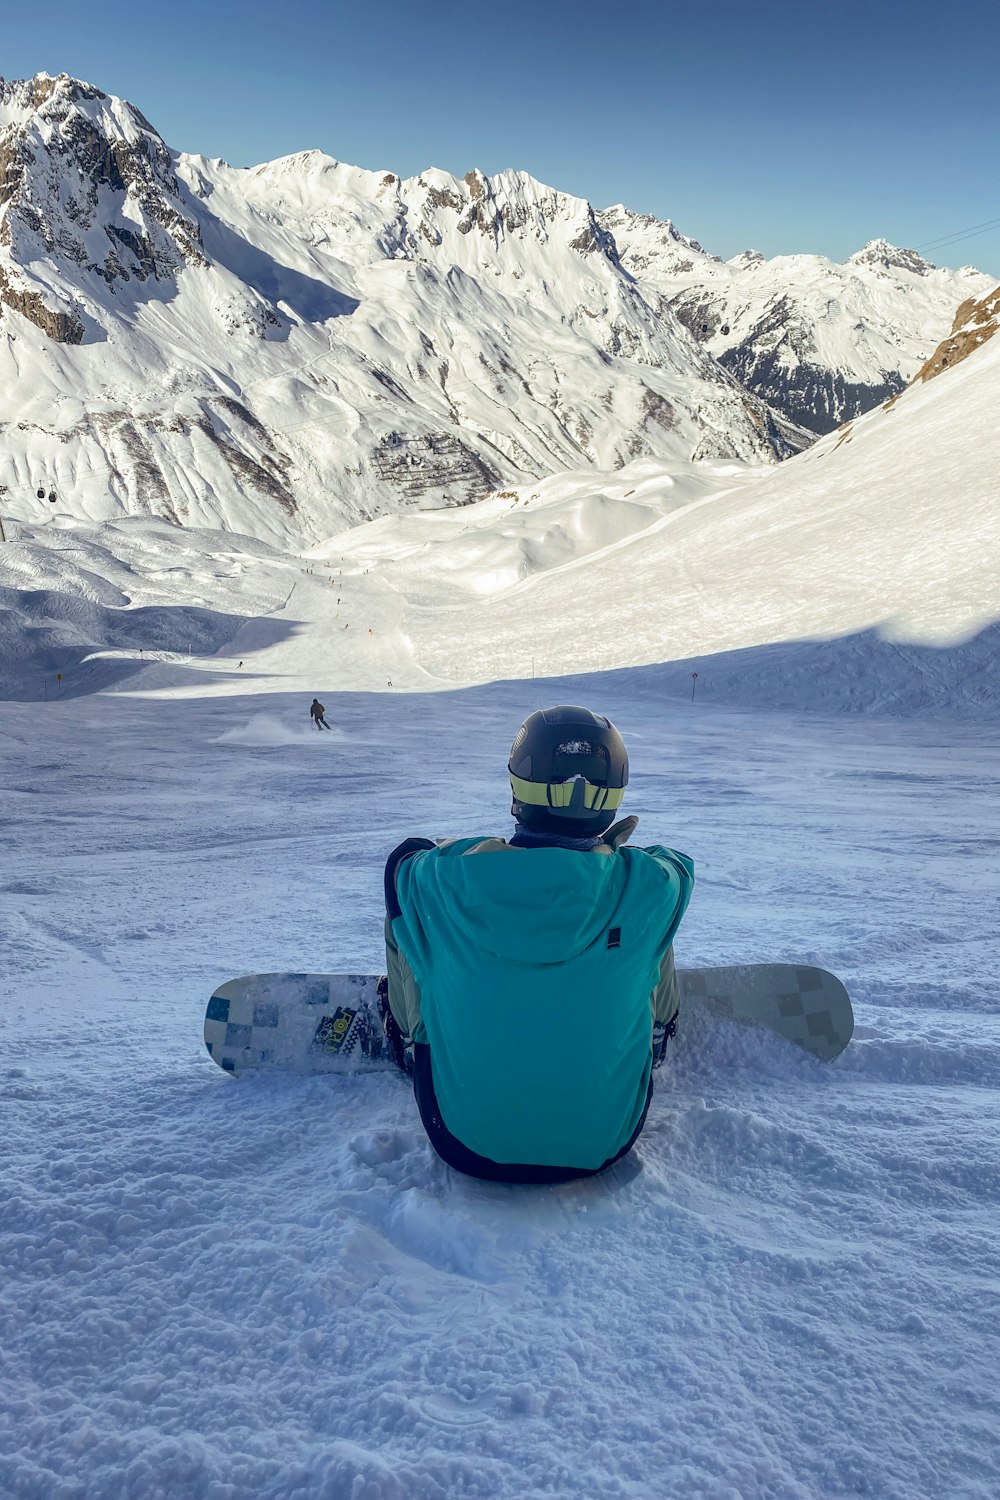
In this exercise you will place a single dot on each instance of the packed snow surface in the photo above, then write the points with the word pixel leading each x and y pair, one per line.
pixel 271 1288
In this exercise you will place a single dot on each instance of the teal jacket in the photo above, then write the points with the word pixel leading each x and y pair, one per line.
pixel 535 969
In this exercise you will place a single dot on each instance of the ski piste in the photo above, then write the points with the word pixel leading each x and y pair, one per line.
pixel 315 1023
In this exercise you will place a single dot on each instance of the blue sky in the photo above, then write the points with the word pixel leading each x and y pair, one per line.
pixel 785 127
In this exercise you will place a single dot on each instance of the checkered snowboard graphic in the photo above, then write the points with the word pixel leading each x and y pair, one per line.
pixel 297 1023
pixel 807 1006
pixel 320 1023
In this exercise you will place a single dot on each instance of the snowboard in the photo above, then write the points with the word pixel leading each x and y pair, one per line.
pixel 317 1023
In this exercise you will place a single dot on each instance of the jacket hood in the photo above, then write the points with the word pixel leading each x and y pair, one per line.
pixel 527 905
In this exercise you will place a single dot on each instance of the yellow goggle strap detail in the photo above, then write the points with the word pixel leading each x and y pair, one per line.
pixel 560 793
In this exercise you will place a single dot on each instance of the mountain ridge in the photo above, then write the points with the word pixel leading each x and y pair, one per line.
pixel 291 348
pixel 288 348
pixel 820 342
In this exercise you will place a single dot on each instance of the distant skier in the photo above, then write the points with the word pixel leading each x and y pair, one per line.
pixel 318 714
pixel 531 988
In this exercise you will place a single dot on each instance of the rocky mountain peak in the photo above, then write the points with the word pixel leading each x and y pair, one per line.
pixel 746 260
pixel 20 98
pixel 644 241
pixel 881 255
pixel 512 203
pixel 87 182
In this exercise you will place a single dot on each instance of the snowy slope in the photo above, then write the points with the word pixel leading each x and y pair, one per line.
pixel 884 536
pixel 820 342
pixel 891 525
pixel 287 349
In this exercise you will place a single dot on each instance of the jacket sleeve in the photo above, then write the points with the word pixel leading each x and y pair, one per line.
pixel 404 992
pixel 666 997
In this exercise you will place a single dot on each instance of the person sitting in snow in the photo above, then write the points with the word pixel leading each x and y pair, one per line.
pixel 318 714
pixel 531 988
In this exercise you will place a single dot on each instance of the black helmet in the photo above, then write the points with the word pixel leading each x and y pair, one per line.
pixel 568 772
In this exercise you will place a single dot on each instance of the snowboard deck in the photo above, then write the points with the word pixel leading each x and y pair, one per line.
pixel 317 1023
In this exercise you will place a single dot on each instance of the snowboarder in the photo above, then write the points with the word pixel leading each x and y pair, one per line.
pixel 531 987
pixel 317 713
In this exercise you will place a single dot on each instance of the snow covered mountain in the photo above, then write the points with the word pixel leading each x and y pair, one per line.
pixel 288 349
pixel 820 342
pixel 860 572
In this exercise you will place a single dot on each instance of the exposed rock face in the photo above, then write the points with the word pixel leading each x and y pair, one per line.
pixel 884 259
pixel 778 360
pixel 437 462
pixel 815 398
pixel 65 327
pixel 975 323
pixel 87 182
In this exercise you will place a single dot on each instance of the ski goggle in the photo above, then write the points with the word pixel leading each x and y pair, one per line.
pixel 562 793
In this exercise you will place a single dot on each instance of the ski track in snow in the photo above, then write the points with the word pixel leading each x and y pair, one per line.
pixel 271 1288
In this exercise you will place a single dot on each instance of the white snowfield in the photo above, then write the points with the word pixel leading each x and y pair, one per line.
pixel 270 1289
